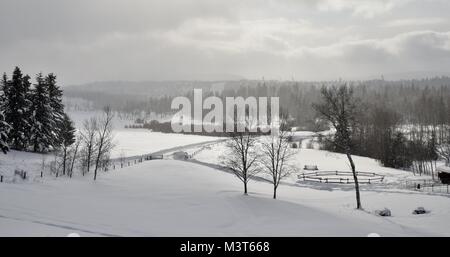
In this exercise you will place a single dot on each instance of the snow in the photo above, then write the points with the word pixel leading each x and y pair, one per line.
pixel 29 162
pixel 444 168
pixel 184 198
pixel 131 142
pixel 128 143
pixel 176 198
pixel 325 161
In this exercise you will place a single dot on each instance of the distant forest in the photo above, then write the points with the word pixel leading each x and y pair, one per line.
pixel 423 101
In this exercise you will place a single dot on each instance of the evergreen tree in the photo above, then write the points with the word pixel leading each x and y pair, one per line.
pixel 4 130
pixel 4 126
pixel 67 136
pixel 4 89
pixel 42 125
pixel 57 107
pixel 17 108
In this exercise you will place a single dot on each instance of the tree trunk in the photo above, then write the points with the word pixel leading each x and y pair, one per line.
pixel 64 161
pixel 245 188
pixel 97 160
pixel 73 160
pixel 355 178
pixel 89 156
pixel 274 192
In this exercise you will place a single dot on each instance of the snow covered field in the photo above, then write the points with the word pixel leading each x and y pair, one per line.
pixel 130 142
pixel 182 198
pixel 325 161
pixel 175 198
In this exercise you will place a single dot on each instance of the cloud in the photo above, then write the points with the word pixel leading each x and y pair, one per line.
pixel 415 22
pixel 412 51
pixel 363 8
pixel 88 40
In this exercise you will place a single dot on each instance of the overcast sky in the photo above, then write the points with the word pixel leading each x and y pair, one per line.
pixel 95 40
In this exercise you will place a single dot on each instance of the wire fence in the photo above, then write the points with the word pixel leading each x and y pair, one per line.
pixel 429 186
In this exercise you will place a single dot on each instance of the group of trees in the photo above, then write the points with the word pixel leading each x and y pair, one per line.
pixel 411 142
pixel 32 116
pixel 250 154
pixel 409 135
pixel 364 128
pixel 89 150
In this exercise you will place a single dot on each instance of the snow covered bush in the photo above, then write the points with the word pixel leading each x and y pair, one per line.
pixel 420 210
pixel 384 213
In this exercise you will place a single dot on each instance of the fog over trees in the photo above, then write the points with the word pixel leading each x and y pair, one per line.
pixel 404 124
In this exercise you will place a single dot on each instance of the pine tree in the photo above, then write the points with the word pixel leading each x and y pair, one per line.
pixel 4 130
pixel 42 125
pixel 17 108
pixel 4 126
pixel 57 107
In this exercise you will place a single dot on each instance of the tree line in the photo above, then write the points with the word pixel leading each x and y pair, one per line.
pixel 416 101
pixel 412 137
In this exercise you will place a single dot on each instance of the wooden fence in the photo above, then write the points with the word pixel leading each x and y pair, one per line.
pixel 321 177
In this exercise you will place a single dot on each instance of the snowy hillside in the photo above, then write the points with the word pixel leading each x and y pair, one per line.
pixel 174 198
pixel 325 161
pixel 184 198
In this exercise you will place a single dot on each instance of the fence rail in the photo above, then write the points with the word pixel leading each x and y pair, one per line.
pixel 320 176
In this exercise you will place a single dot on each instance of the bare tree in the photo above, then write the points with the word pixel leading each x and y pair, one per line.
pixel 88 137
pixel 104 138
pixel 339 107
pixel 75 153
pixel 241 158
pixel 276 157
pixel 67 135
pixel 443 151
pixel 122 158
